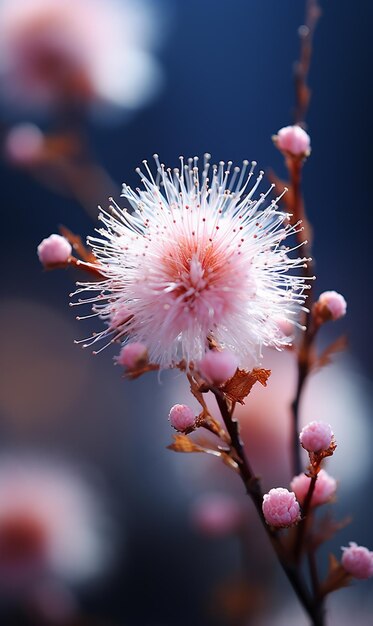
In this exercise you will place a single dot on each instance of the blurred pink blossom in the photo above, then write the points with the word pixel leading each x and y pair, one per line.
pixel 325 488
pixel 216 514
pixel 23 144
pixel 85 50
pixel 217 367
pixel 50 524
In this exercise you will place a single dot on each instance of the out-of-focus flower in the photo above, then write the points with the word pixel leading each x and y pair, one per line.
pixel 325 488
pixel 181 417
pixel 50 524
pixel 280 508
pixel 132 355
pixel 293 139
pixel 216 514
pixel 216 367
pixel 23 144
pixel 358 561
pixel 330 306
pixel 83 50
pixel 316 436
pixel 197 259
pixel 54 249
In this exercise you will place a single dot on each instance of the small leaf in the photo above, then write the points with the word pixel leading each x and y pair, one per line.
pixel 240 385
pixel 338 345
pixel 337 577
pixel 182 443
pixel 78 245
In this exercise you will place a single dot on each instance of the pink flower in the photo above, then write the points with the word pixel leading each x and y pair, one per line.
pixel 280 508
pixel 24 144
pixel 86 50
pixel 331 305
pixel 50 524
pixel 216 367
pixel 53 250
pixel 197 259
pixel 325 488
pixel 293 139
pixel 216 514
pixel 182 417
pixel 358 561
pixel 132 354
pixel 316 436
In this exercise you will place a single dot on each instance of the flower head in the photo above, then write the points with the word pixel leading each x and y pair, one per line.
pixel 90 51
pixel 358 561
pixel 197 260
pixel 280 508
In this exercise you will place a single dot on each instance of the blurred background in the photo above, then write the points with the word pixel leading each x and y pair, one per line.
pixel 114 524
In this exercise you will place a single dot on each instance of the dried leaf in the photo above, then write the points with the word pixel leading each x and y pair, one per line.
pixel 182 443
pixel 338 345
pixel 240 385
pixel 77 245
pixel 337 577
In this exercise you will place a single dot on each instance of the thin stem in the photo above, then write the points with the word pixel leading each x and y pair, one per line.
pixel 302 527
pixel 254 490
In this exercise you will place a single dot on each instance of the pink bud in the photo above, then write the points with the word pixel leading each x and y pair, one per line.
pixel 325 488
pixel 216 514
pixel 358 561
pixel 293 139
pixel 316 436
pixel 55 249
pixel 181 417
pixel 280 508
pixel 216 367
pixel 334 302
pixel 132 355
pixel 23 144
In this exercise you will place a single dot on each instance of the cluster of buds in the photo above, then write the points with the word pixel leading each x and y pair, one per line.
pixel 283 508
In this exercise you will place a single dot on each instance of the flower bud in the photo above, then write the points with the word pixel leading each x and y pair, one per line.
pixel 53 250
pixel 330 306
pixel 293 139
pixel 358 561
pixel 316 436
pixel 217 367
pixel 280 508
pixel 181 417
pixel 132 355
pixel 23 144
pixel 325 488
pixel 217 514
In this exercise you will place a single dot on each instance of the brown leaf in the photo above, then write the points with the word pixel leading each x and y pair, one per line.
pixel 182 443
pixel 77 245
pixel 338 345
pixel 240 385
pixel 337 577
